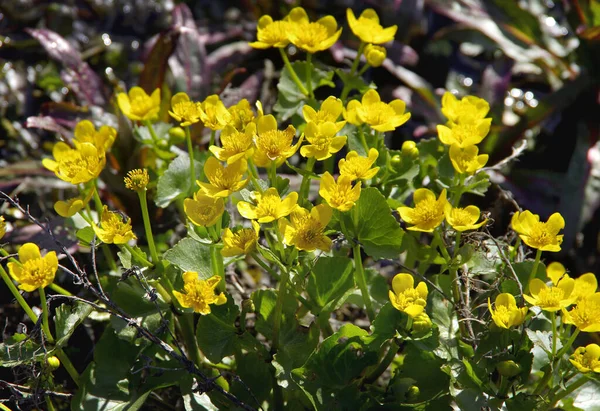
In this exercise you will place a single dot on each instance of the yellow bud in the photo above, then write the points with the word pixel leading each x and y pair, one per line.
pixel 375 55
pixel 396 160
pixel 508 368
pixel 53 363
pixel 2 227
pixel 176 135
pixel 421 323
pixel 137 179
pixel 413 393
pixel 409 149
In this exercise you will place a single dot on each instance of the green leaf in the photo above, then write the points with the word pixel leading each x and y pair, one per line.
pixel 380 237
pixel 288 88
pixel 86 235
pixel 443 315
pixel 424 367
pixel 329 280
pixel 175 182
pixel 191 255
pixel 19 350
pixel 524 269
pixel 384 326
pixel 256 380
pixel 264 302
pixel 286 108
pixel 354 81
pixel 478 184
pixel 68 318
pixel 216 332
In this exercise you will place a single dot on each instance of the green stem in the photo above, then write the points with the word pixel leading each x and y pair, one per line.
pixel 459 190
pixel 308 75
pixel 272 170
pixel 515 249
pixel 148 124
pixel 359 276
pixel 363 69
pixel 554 336
pixel 384 364
pixel 538 256
pixel 13 289
pixel 147 226
pixel 188 139
pixel 60 290
pixel 97 200
pixel 363 140
pixel 567 345
pixel 293 74
pixel 213 134
pixel 347 87
pixel 137 255
pixel 66 362
pixel 45 325
pixel 568 390
pixel 186 324
pixel 216 263
pixel 265 266
pixel 305 185
pixel 285 274
pixel 254 176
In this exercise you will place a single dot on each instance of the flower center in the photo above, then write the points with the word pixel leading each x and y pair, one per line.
pixel 464 132
pixel 141 105
pixel 409 297
pixel 585 313
pixel 502 313
pixel 275 32
pixel 461 217
pixel 187 110
pixel 311 34
pixel 540 235
pixel 550 297
pixel 376 113
pixel 37 270
pixel 273 143
pixel 427 210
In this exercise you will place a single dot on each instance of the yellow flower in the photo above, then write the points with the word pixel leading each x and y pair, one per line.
pixel 368 29
pixel 305 228
pixel 72 206
pixel 270 33
pixel 505 312
pixel 585 285
pixel 405 297
pixel 463 219
pixel 223 181
pixel 241 115
pixel 315 36
pixel 587 359
pixel 375 55
pixel 428 212
pixel 75 166
pixel 469 109
pixel 33 271
pixel 2 227
pixel 466 159
pixel 378 115
pixel 585 315
pixel 203 210
pixel 330 111
pixel 213 113
pixel 235 144
pixel 269 206
pixel 199 294
pixel 139 106
pixel 322 140
pixel 536 234
pixel 103 139
pixel 357 167
pixel 137 179
pixel 550 298
pixel 464 134
pixel 241 242
pixel 112 229
pixel 273 144
pixel 339 195
pixel 185 111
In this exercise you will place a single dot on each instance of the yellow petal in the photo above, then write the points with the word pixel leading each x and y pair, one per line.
pixel 29 251
pixel 401 282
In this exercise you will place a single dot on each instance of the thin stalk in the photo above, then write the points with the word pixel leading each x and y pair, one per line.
pixel 309 75
pixel 148 124
pixel 538 256
pixel 213 134
pixel 137 255
pixel 567 345
pixel 216 264
pixel 554 336
pixel 254 175
pixel 272 170
pixel 147 226
pixel 45 325
pixel 265 266
pixel 359 276
pixel 66 362
pixel 285 274
pixel 363 140
pixel 363 69
pixel 305 185
pixel 347 88
pixel 460 185
pixel 188 139
pixel 60 290
pixel 97 200
pixel 384 364
pixel 293 74
pixel 568 390
pixel 186 325
pixel 13 289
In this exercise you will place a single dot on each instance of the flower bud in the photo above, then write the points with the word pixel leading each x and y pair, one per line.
pixel 508 368
pixel 409 149
pixel 176 135
pixel 396 160
pixel 53 363
pixel 413 393
pixel 375 55
pixel 421 323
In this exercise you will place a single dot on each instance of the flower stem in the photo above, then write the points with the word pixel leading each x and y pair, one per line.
pixel 347 88
pixel 285 274
pixel 568 390
pixel 309 74
pixel 148 124
pixel 293 74
pixel 538 256
pixel 384 364
pixel 272 170
pixel 147 226
pixel 97 200
pixel 567 345
pixel 44 305
pixel 359 276
pixel 305 185
pixel 554 336
pixel 213 134
pixel 254 175
pixel 66 362
pixel 15 292
pixel 137 255
pixel 188 139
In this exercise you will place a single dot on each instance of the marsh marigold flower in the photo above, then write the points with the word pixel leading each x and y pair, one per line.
pixel 331 109
pixel 240 242
pixel 537 234
pixel 587 359
pixel 236 145
pixel 269 206
pixel 199 294
pixel 585 315
pixel 463 219
pixel 241 115
pixel 102 139
pixel 113 230
pixel 70 207
pixel 183 110
pixel 552 298
pixel 312 36
pixel 375 55
pixel 375 113
pixel 505 312
pixel 213 113
pixel 76 166
pixel 203 210
pixel 139 106
pixel 467 160
pixel 357 167
pixel 585 285
pixel 322 140
pixel 305 228
pixel 271 33
pixel 407 298
pixel 137 179
pixel 33 271
pixel 273 144
pixel 464 134
pixel 223 181
pixel 368 29
pixel 428 212
pixel 469 109
pixel 339 194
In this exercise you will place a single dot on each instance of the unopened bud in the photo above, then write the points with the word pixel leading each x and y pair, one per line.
pixel 2 227
pixel 409 149
pixel 413 393
pixel 508 368
pixel 396 160
pixel 421 323
pixel 176 135
pixel 53 363
pixel 375 55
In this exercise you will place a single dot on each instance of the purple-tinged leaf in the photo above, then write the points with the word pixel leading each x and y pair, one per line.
pixel 57 47
pixel 153 75
pixel 229 54
pixel 50 124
